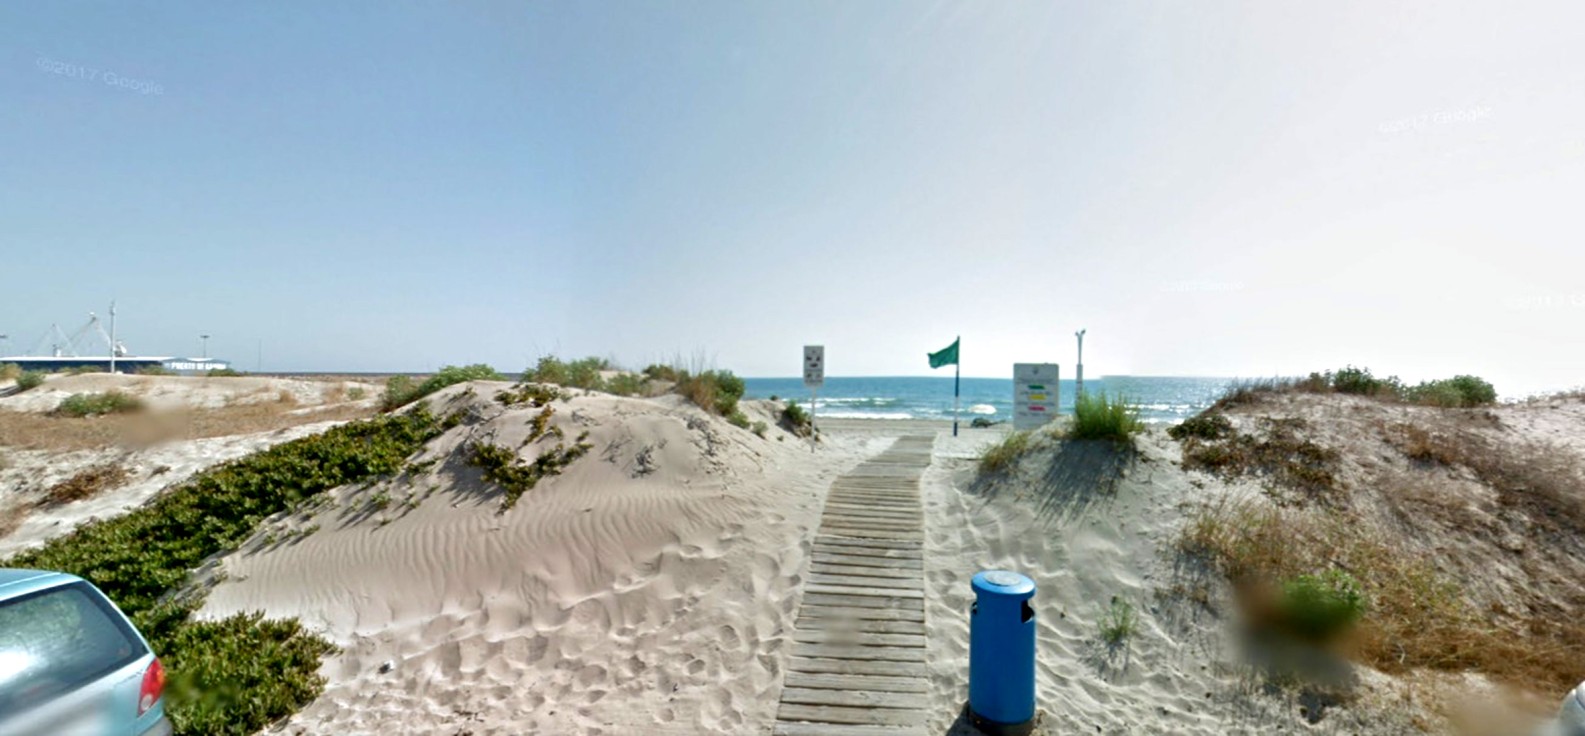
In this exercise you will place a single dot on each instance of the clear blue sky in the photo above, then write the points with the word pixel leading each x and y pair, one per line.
pixel 1209 188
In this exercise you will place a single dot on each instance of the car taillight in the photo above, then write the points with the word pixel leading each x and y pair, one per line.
pixel 153 686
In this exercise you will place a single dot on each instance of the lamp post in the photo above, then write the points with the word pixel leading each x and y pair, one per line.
pixel 205 338
pixel 1078 373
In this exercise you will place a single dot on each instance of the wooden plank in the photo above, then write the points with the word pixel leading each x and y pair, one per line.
pixel 887 549
pixel 910 510
pixel 858 638
pixel 841 600
pixel 867 582
pixel 863 560
pixel 854 698
pixel 823 666
pixel 864 592
pixel 834 568
pixel 811 611
pixel 866 625
pixel 839 651
pixel 913 522
pixel 790 728
pixel 913 535
pixel 839 714
pixel 879 683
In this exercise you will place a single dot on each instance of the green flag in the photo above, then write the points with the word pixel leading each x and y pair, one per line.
pixel 947 356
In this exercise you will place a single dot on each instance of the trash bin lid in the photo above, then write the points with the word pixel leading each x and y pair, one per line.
pixel 1003 582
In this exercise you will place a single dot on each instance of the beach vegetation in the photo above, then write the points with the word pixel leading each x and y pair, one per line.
pixel 794 419
pixel 1319 608
pixel 356 393
pixel 715 391
pixel 760 428
pixel 155 370
pixel 29 380
pixel 400 390
pixel 86 483
pixel 584 374
pixel 1119 622
pixel 238 674
pixel 1002 456
pixel 96 404
pixel 1279 451
pixel 503 467
pixel 1462 391
pixel 661 372
pixel 9 371
pixel 1097 416
pixel 627 384
pixel 1203 426
pixel 532 394
pixel 1319 575
pixel 223 373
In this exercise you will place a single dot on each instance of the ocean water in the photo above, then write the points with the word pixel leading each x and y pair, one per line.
pixel 1160 399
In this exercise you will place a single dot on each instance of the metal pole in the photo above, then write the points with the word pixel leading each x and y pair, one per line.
pixel 957 373
pixel 1078 374
pixel 112 336
pixel 813 403
pixel 205 338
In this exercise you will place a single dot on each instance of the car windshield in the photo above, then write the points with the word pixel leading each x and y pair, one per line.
pixel 57 641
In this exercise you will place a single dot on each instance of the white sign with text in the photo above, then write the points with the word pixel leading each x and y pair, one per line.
pixel 1034 394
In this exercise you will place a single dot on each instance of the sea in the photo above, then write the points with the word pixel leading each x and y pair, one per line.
pixel 1160 399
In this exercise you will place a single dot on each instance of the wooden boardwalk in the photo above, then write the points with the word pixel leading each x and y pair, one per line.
pixel 858 654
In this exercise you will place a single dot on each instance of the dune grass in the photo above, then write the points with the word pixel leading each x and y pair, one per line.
pixel 93 405
pixel 1003 455
pixel 1097 416
pixel 400 390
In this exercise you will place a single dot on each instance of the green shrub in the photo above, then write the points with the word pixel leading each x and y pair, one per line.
pixel 28 380
pixel 1204 426
pixel 583 374
pixel 760 428
pixel 1119 622
pixel 217 684
pixel 356 393
pixel 399 390
pixel 1098 417
pixel 92 405
pixel 242 673
pixel 1455 392
pixel 658 372
pixel 1319 608
pixel 155 370
pixel 1002 456
pixel 503 467
pixel 714 391
pixel 794 419
pixel 9 371
pixel 738 419
pixel 628 384
pixel 223 373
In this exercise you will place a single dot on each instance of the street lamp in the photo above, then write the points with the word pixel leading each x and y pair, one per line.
pixel 1078 373
pixel 205 338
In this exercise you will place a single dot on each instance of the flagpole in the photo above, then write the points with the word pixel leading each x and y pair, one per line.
pixel 957 372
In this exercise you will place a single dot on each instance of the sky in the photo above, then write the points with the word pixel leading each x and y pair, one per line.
pixel 1210 188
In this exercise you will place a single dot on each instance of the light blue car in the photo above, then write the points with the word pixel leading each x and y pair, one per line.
pixel 71 664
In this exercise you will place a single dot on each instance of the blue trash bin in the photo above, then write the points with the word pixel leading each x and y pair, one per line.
pixel 1002 654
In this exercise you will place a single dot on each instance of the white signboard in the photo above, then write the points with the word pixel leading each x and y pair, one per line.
pixel 1034 394
pixel 814 366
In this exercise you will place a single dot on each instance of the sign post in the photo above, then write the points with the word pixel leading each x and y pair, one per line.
pixel 814 378
pixel 1034 394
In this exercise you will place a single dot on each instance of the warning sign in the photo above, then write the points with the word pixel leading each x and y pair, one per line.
pixel 1034 394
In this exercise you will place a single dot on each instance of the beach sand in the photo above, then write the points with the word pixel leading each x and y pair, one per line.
pixel 653 587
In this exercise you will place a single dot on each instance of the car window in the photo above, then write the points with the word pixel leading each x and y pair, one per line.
pixel 58 640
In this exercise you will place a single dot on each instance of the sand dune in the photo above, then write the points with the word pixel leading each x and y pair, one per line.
pixel 649 589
